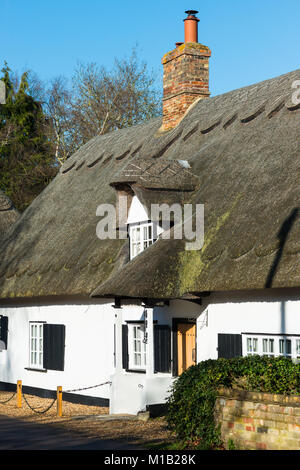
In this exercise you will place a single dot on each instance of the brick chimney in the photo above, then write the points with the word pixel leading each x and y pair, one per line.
pixel 186 74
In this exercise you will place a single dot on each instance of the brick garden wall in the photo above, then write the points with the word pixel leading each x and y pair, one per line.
pixel 259 421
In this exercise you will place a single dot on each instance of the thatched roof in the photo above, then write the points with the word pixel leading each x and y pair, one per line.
pixel 8 215
pixel 244 154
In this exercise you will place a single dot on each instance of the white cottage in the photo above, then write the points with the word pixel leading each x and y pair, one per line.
pixel 137 311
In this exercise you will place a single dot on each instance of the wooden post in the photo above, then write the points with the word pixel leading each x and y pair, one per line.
pixel 59 401
pixel 19 394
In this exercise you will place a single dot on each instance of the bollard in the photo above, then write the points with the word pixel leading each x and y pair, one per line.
pixel 59 401
pixel 19 394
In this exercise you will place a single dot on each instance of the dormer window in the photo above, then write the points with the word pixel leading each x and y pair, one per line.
pixel 142 231
pixel 141 236
pixel 142 183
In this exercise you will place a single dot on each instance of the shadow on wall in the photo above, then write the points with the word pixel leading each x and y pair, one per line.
pixel 282 237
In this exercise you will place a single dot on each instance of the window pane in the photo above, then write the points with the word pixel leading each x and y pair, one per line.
pixel 137 359
pixel 137 348
pixel 281 346
pixel 265 345
pixel 36 344
pixel 288 346
pixel 141 237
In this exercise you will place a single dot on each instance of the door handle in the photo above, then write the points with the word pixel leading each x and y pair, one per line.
pixel 194 355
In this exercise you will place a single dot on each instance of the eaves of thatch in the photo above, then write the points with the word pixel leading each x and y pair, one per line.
pixel 244 154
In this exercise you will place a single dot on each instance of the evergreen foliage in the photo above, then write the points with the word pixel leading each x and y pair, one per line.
pixel 26 160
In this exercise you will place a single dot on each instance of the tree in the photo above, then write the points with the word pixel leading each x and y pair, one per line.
pixel 108 100
pixel 100 101
pixel 58 106
pixel 26 160
pixel 41 126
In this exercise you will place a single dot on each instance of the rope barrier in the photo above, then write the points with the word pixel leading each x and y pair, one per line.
pixel 10 398
pixel 35 410
pixel 86 388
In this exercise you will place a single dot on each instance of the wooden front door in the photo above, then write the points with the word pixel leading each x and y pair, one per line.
pixel 186 346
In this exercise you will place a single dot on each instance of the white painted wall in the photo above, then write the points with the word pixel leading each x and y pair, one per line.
pixel 89 352
pixel 89 345
pixel 269 311
pixel 137 212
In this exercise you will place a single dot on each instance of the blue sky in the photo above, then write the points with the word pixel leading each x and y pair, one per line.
pixel 251 40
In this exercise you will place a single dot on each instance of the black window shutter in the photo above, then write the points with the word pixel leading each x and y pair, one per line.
pixel 229 346
pixel 54 346
pixel 162 348
pixel 4 329
pixel 125 358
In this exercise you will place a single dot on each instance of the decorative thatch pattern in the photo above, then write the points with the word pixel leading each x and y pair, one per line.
pixel 157 174
pixel 8 215
pixel 243 149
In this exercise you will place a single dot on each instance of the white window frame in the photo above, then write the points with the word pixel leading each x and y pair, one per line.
pixel 271 344
pixel 283 351
pixel 145 239
pixel 36 345
pixel 136 346
pixel 277 349
pixel 252 345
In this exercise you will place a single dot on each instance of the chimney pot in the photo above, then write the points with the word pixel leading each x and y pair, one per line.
pixel 191 26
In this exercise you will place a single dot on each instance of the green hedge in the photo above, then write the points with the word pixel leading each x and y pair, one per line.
pixel 193 395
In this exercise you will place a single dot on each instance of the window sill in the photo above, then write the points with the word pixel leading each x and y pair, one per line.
pixel 136 371
pixel 35 369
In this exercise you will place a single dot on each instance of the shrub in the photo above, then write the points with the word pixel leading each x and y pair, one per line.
pixel 191 405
